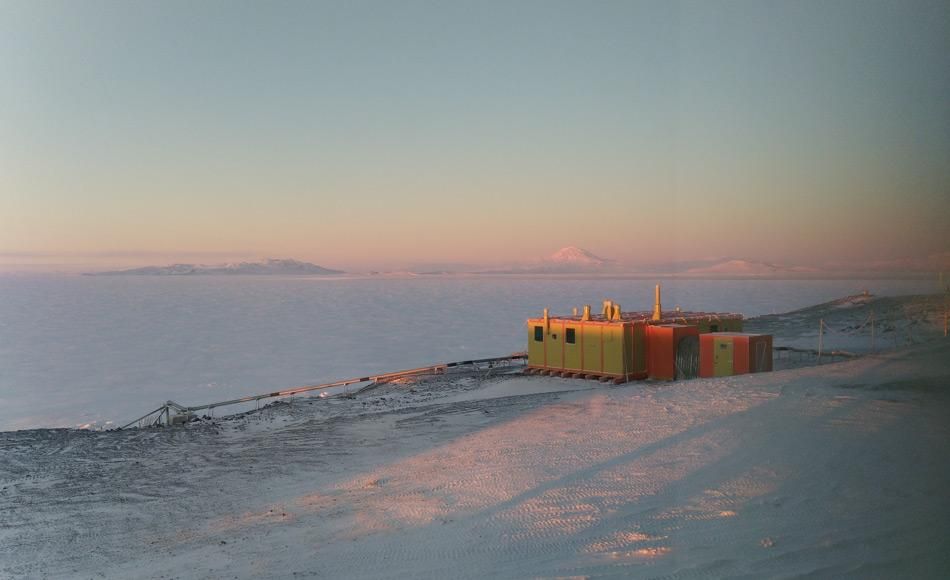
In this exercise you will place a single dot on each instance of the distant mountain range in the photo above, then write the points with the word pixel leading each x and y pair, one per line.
pixel 572 260
pixel 750 268
pixel 270 267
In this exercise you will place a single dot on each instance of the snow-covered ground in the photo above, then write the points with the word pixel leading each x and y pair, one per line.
pixel 828 471
pixel 858 324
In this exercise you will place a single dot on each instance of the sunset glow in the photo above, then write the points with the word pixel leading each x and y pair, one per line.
pixel 388 135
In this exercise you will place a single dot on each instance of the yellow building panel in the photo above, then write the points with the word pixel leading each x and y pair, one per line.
pixel 614 351
pixel 555 345
pixel 572 347
pixel 535 343
pixel 628 347
pixel 638 348
pixel 591 348
pixel 720 325
pixel 722 357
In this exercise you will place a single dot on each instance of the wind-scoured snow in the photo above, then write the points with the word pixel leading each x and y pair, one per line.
pixel 858 324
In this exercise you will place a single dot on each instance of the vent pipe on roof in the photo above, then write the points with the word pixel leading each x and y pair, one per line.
pixel 586 312
pixel 547 321
pixel 575 311
pixel 608 308
pixel 657 309
pixel 615 315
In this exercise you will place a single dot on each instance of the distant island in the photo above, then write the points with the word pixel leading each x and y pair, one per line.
pixel 269 267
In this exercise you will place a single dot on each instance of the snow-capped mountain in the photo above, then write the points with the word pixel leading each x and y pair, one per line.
pixel 576 256
pixel 269 267
pixel 567 260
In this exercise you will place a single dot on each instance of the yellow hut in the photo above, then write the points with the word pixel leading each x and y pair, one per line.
pixel 611 345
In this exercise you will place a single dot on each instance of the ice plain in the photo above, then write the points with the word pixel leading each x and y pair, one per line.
pixel 827 471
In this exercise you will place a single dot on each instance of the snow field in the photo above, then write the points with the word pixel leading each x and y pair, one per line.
pixel 830 471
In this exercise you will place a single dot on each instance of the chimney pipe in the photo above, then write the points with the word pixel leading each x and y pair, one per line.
pixel 657 309
pixel 586 312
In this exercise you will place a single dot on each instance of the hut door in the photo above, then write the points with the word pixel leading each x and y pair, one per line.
pixel 722 357
pixel 555 340
pixel 687 358
pixel 761 362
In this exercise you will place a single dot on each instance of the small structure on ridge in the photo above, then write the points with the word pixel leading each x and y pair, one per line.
pixel 618 346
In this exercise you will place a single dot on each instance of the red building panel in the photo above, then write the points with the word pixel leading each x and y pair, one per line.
pixel 706 369
pixel 740 355
pixel 662 342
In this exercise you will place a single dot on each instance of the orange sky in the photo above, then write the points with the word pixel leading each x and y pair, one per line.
pixel 382 136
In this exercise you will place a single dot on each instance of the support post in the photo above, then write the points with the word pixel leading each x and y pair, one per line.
pixel 821 327
pixel 946 317
pixel 872 330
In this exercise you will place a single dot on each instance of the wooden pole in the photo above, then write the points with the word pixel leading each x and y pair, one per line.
pixel 946 319
pixel 946 304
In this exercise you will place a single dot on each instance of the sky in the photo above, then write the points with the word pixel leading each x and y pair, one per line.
pixel 383 134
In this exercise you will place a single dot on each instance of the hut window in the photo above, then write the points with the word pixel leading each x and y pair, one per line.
pixel 569 336
pixel 539 334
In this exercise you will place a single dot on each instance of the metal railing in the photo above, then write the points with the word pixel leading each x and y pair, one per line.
pixel 171 412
